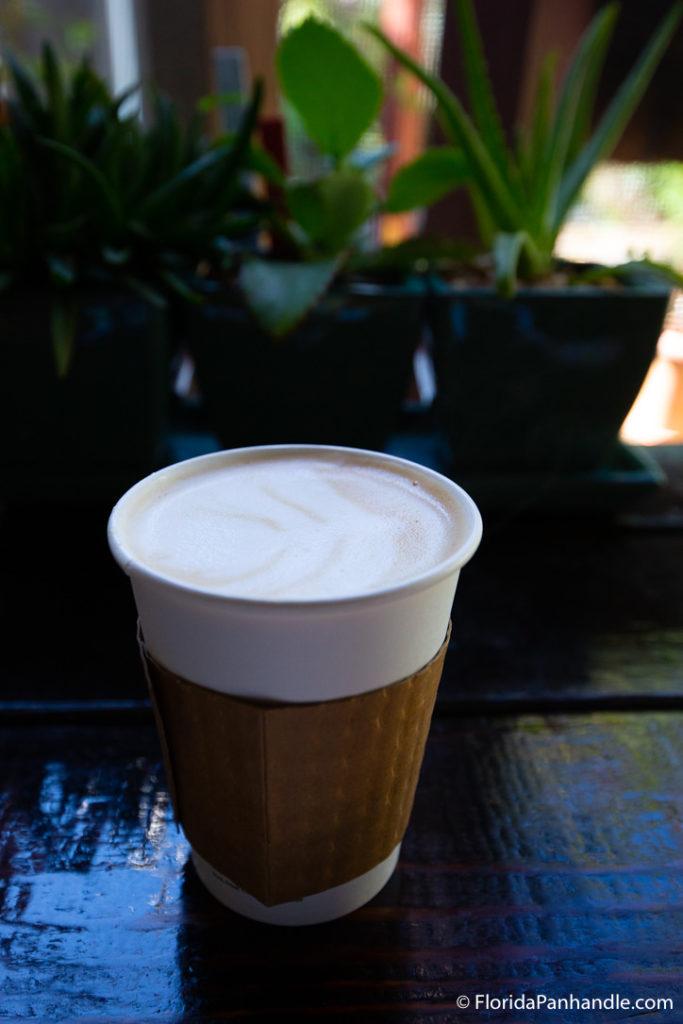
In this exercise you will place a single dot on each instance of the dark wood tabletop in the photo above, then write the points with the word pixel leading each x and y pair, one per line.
pixel 541 875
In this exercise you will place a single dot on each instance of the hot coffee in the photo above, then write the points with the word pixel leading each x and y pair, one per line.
pixel 278 525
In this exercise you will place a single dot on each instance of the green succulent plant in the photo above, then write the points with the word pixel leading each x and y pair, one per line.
pixel 337 96
pixel 87 194
pixel 523 192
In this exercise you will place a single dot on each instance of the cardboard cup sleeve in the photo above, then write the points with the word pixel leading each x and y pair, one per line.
pixel 288 800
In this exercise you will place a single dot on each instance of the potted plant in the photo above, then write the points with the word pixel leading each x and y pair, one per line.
pixel 101 220
pixel 293 343
pixel 537 362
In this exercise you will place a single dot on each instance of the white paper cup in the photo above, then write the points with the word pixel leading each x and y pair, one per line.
pixel 297 650
pixel 323 906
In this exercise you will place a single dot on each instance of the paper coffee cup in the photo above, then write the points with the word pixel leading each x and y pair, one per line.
pixel 290 667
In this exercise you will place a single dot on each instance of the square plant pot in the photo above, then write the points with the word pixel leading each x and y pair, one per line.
pixel 340 377
pixel 99 427
pixel 543 381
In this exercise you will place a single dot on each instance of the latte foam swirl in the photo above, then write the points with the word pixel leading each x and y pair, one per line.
pixel 291 528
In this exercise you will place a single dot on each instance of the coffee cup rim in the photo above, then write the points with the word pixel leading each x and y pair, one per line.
pixel 462 553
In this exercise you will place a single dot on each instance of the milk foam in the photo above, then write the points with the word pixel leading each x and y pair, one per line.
pixel 302 527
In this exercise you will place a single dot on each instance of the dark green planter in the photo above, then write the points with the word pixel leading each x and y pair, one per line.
pixel 339 378
pixel 541 382
pixel 98 429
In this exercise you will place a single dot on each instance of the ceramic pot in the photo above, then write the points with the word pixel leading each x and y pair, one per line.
pixel 339 378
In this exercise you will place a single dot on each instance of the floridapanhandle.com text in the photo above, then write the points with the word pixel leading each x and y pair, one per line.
pixel 539 1001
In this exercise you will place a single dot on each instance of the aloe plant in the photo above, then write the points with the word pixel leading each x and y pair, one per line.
pixel 89 195
pixel 522 193
pixel 337 96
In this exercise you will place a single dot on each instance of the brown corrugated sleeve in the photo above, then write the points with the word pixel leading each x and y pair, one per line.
pixel 287 800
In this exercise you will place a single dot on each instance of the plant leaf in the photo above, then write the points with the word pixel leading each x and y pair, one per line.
pixel 178 287
pixel 532 144
pixel 428 178
pixel 115 257
pixel 331 209
pixel 106 192
pixel 572 104
pixel 617 115
pixel 646 268
pixel 170 190
pixel 259 160
pixel 61 269
pixel 507 251
pixel 495 191
pixel 55 90
pixel 30 102
pixel 122 97
pixel 280 294
pixel 228 157
pixel 217 100
pixel 144 290
pixel 63 325
pixel 333 89
pixel 480 92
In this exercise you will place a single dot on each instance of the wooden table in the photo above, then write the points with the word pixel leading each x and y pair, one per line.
pixel 542 862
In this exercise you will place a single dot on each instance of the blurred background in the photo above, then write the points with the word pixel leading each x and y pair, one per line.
pixel 631 206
